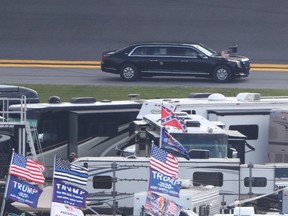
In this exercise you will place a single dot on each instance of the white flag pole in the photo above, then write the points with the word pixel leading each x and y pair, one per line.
pixel 51 212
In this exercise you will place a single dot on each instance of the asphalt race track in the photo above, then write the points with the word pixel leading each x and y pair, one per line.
pixel 81 30
pixel 73 30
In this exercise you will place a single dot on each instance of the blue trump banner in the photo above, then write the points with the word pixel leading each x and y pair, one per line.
pixel 69 194
pixel 23 192
pixel 165 184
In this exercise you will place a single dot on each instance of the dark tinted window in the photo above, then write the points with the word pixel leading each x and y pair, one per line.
pixel 281 172
pixel 208 178
pixel 256 182
pixel 102 182
pixel 182 52
pixel 176 51
pixel 250 131
pixel 140 51
pixel 189 52
pixel 157 51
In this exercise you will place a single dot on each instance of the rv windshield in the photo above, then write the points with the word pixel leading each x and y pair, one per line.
pixel 215 143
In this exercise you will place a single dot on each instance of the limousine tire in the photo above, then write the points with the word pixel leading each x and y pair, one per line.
pixel 129 72
pixel 222 74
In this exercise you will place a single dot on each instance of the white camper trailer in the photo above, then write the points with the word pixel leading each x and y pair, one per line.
pixel 118 179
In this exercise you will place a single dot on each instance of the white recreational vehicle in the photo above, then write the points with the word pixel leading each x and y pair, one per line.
pixel 115 179
pixel 248 113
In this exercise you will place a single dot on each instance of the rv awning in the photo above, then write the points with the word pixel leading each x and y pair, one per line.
pixel 231 111
pixel 235 134
pixel 140 122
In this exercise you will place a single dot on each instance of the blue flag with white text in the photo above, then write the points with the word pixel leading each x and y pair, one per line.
pixel 170 144
pixel 23 192
pixel 165 184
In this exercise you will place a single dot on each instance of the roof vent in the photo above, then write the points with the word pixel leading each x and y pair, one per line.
pixel 80 100
pixel 54 100
pixel 248 97
pixel 199 95
pixel 216 97
pixel 105 101
pixel 133 96
pixel 190 123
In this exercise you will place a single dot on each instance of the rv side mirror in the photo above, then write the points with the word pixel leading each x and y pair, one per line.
pixel 233 152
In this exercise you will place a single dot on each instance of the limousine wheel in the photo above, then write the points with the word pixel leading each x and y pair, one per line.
pixel 129 73
pixel 222 74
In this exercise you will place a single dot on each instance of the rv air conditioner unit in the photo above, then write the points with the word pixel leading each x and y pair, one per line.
pixel 248 97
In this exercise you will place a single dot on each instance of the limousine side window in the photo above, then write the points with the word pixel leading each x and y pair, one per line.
pixel 158 51
pixel 140 51
pixel 182 52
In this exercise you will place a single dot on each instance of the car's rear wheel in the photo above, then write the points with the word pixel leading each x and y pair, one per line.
pixel 129 72
pixel 222 74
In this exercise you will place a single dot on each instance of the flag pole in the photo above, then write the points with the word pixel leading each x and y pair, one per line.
pixel 7 183
pixel 53 184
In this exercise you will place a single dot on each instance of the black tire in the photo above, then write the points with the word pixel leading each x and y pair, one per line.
pixel 222 74
pixel 129 72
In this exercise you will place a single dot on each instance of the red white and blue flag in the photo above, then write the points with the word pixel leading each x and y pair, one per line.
pixel 27 169
pixel 164 162
pixel 169 118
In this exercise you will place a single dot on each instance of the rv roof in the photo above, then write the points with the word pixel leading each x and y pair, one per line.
pixel 68 105
pixel 213 101
pixel 204 125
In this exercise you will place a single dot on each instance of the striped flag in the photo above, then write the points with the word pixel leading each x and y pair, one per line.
pixel 70 172
pixel 163 162
pixel 169 118
pixel 27 169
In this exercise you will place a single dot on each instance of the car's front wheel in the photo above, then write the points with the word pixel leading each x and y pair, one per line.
pixel 222 74
pixel 129 72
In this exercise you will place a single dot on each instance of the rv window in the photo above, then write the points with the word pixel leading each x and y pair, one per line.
pixel 250 131
pixel 190 112
pixel 281 172
pixel 208 178
pixel 102 182
pixel 256 182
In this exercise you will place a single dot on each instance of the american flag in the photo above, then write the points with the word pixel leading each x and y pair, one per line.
pixel 169 118
pixel 163 162
pixel 70 172
pixel 27 169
